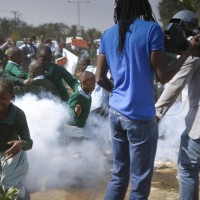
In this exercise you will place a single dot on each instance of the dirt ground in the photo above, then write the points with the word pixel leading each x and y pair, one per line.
pixel 164 187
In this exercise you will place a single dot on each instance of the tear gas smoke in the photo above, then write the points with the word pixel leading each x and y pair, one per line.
pixel 171 127
pixel 58 160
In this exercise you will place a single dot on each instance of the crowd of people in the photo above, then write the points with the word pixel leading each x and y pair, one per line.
pixel 131 54
pixel 33 69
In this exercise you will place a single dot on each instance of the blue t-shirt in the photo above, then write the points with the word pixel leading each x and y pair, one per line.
pixel 132 73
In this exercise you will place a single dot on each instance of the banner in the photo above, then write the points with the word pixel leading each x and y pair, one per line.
pixel 80 43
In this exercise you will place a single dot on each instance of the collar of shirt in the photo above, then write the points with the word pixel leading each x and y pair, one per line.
pixel 13 62
pixel 91 68
pixel 88 96
pixel 39 77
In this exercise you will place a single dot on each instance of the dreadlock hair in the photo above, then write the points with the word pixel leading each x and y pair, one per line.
pixel 126 11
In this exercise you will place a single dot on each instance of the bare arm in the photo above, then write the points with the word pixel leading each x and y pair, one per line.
pixel 101 73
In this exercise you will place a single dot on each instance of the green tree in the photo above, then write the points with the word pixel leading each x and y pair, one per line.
pixel 91 34
pixel 72 31
pixel 190 4
pixel 20 29
pixel 5 27
pixel 52 30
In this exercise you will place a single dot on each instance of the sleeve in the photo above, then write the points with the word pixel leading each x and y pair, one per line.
pixel 156 38
pixel 73 101
pixel 70 80
pixel 15 71
pixel 176 85
pixel 23 131
pixel 15 80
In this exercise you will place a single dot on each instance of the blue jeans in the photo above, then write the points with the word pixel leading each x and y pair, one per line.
pixel 134 146
pixel 189 168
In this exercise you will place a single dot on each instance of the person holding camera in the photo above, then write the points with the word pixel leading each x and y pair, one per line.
pixel 189 151
pixel 133 49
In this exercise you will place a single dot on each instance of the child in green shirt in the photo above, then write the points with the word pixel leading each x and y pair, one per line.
pixel 13 70
pixel 80 101
pixel 14 141
pixel 40 86
pixel 56 73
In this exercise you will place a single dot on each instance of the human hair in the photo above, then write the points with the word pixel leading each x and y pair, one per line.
pixel 47 41
pixel 43 50
pixel 84 61
pixel 36 68
pixel 13 52
pixel 126 11
pixel 8 85
pixel 44 54
pixel 85 75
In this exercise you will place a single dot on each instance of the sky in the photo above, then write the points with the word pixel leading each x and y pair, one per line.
pixel 95 14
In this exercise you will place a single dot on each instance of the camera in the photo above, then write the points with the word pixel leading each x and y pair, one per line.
pixel 179 30
pixel 175 40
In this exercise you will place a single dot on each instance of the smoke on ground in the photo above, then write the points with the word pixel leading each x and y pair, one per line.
pixel 58 160
pixel 170 128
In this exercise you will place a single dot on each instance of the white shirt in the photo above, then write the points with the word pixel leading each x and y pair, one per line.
pixel 100 96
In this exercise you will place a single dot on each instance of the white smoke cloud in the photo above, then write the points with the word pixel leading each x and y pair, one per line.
pixel 171 127
pixel 57 160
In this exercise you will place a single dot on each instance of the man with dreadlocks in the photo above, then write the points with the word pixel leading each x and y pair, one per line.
pixel 133 49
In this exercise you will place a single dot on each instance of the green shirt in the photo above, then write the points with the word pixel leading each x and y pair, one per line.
pixel 85 103
pixel 57 74
pixel 15 80
pixel 14 127
pixel 13 72
pixel 41 85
